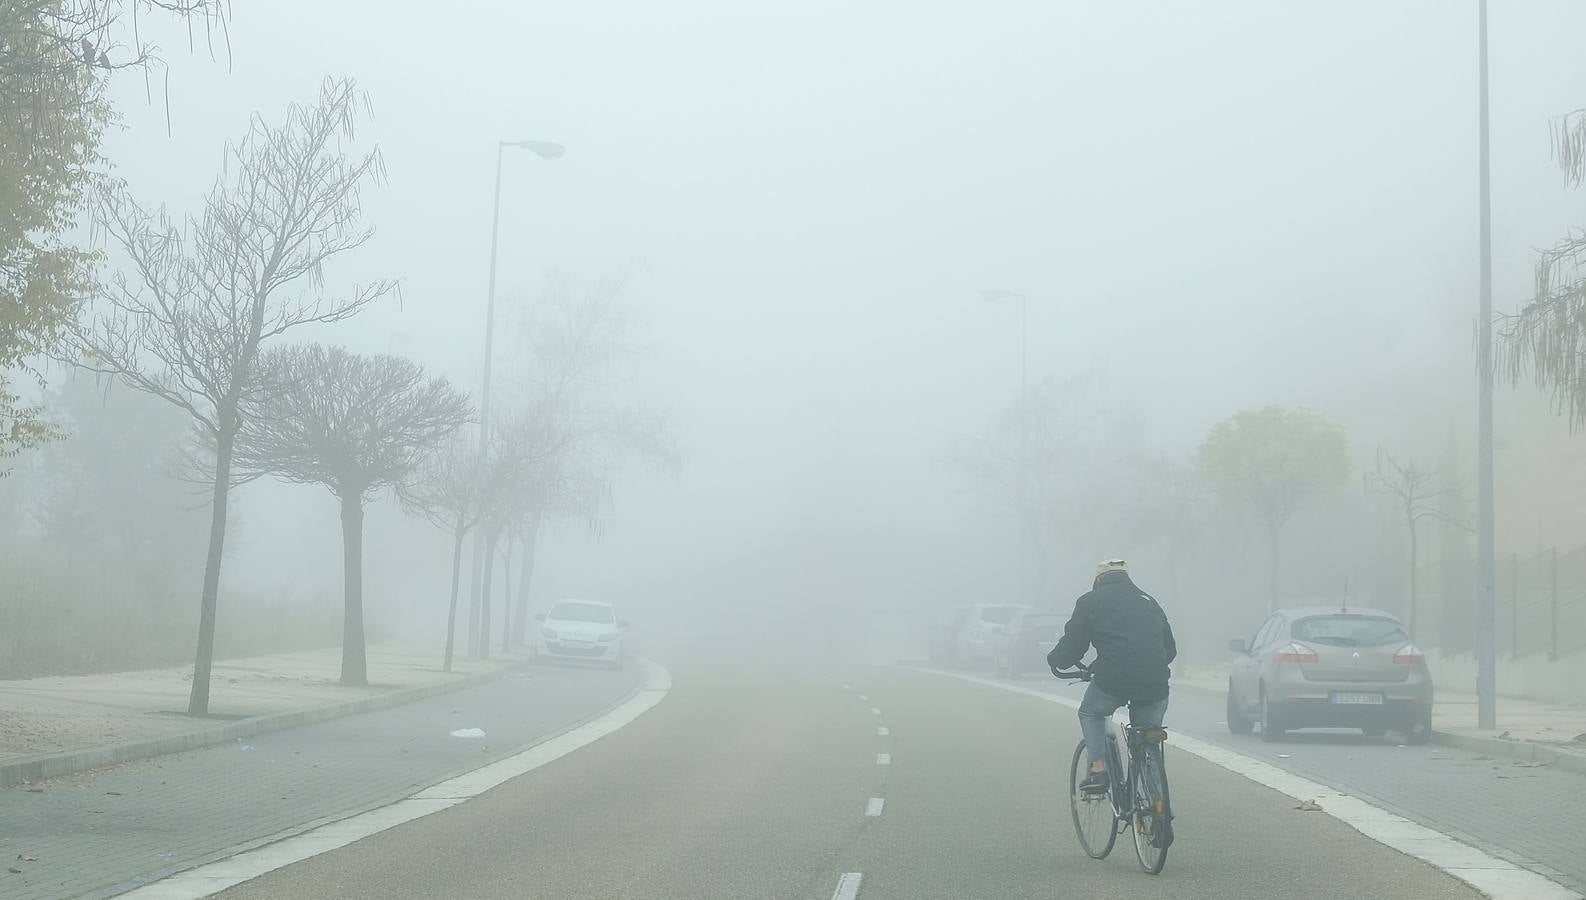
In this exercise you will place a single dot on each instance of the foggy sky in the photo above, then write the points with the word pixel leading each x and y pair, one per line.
pixel 1218 205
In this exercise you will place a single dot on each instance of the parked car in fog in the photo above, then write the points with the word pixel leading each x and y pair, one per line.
pixel 1025 641
pixel 1330 668
pixel 944 636
pixel 582 629
pixel 982 629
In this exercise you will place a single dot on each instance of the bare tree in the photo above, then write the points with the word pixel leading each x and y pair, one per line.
pixel 1547 338
pixel 1273 461
pixel 1031 460
pixel 451 489
pixel 1419 492
pixel 357 425
pixel 187 323
pixel 1171 506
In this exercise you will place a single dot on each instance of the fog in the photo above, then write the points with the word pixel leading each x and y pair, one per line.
pixel 1209 210
pixel 832 321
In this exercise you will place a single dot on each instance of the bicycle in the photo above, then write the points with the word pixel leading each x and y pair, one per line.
pixel 1136 800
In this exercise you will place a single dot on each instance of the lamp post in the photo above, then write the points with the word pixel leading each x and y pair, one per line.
pixel 1486 615
pixel 546 150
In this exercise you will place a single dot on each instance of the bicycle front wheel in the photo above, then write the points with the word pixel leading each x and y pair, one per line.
pixel 1152 822
pixel 1094 821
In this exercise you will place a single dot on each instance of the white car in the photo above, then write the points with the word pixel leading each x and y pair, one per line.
pixel 581 629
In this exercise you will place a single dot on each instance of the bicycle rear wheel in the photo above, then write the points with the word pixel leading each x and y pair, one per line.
pixel 1094 820
pixel 1152 822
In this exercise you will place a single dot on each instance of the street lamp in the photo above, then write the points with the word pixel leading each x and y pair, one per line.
pixel 1486 601
pixel 546 150
pixel 1025 538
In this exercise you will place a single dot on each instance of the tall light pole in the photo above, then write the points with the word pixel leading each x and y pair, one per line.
pixel 1025 537
pixel 1486 612
pixel 546 150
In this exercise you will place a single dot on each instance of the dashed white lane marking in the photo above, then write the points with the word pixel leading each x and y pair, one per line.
pixel 883 759
pixel 874 711
pixel 1497 878
pixel 883 731
pixel 217 876
pixel 848 687
pixel 864 697
pixel 873 808
pixel 848 886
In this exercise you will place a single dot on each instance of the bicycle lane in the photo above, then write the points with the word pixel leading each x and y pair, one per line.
pixel 1522 812
pixel 975 805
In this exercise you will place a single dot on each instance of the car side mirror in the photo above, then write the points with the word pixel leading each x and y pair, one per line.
pixel 539 617
pixel 1237 645
pixel 623 624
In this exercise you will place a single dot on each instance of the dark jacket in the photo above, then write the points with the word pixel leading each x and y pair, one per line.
pixel 1130 632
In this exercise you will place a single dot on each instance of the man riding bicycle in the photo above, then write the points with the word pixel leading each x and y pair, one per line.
pixel 1134 645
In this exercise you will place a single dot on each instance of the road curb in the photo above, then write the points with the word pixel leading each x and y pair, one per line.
pixel 1528 751
pixel 1522 750
pixel 54 765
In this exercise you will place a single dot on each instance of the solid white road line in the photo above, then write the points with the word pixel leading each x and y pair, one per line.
pixel 883 731
pixel 217 876
pixel 873 808
pixel 883 759
pixel 848 886
pixel 874 711
pixel 1497 878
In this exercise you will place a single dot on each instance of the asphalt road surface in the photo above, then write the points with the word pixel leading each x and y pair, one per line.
pixel 757 779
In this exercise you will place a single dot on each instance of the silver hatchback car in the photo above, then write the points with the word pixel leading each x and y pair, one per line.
pixel 1330 668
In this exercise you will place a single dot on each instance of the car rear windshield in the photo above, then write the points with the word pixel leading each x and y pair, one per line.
pixel 568 611
pixel 1043 622
pixel 1349 631
pixel 997 615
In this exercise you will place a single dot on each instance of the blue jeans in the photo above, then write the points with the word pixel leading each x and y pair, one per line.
pixel 1098 706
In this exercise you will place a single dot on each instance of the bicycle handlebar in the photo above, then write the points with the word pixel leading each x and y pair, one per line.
pixel 1078 673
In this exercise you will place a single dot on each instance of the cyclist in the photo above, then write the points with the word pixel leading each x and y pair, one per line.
pixel 1134 645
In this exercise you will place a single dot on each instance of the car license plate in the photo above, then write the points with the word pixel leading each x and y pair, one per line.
pixel 1358 699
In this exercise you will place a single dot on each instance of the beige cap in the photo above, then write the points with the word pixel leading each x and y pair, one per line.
pixel 1111 565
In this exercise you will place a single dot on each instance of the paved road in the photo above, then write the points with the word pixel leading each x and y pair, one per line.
pixel 1531 815
pixel 754 779
pixel 97 833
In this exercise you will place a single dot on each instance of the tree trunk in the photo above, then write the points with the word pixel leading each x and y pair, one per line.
pixel 1414 560
pixel 506 597
pixel 451 611
pixel 473 595
pixel 531 542
pixel 198 698
pixel 1275 565
pixel 354 663
pixel 484 593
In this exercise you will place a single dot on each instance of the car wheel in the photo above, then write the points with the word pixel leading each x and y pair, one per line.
pixel 1419 730
pixel 1238 722
pixel 1273 727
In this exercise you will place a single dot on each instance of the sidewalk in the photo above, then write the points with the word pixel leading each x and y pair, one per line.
pixel 53 725
pixel 1529 730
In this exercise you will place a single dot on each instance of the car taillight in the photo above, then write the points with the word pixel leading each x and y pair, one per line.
pixel 1409 655
pixel 1296 653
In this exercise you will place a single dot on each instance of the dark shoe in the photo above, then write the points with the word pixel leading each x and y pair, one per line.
pixel 1094 783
